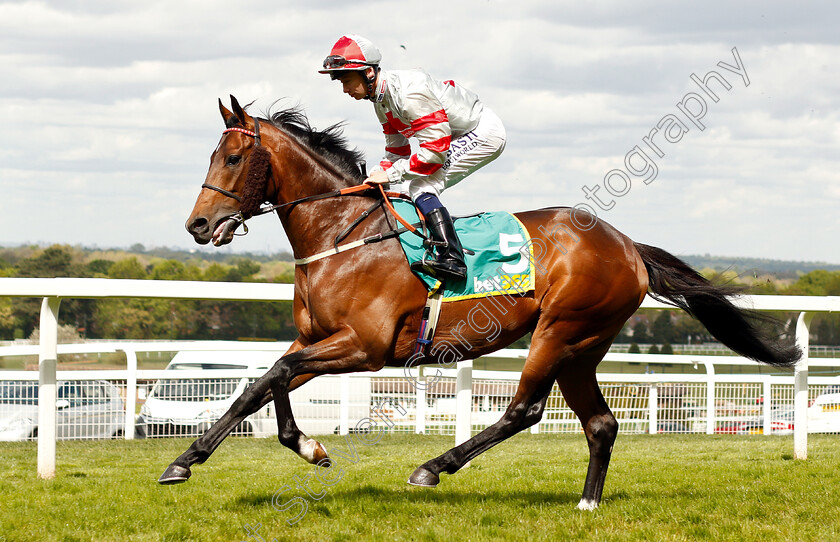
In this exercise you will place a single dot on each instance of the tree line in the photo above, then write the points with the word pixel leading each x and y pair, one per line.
pixel 146 318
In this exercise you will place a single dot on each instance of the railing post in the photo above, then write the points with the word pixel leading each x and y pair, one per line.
pixel 344 405
pixel 767 404
pixel 420 400
pixel 463 402
pixel 710 398
pixel 800 388
pixel 130 392
pixel 47 361
pixel 653 404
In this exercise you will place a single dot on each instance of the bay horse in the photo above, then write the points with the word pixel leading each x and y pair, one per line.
pixel 360 309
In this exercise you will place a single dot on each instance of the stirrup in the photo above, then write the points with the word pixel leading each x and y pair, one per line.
pixel 423 266
pixel 439 270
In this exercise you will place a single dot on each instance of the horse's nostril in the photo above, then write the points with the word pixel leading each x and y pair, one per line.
pixel 199 225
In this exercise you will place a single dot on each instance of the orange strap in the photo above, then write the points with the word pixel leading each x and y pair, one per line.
pixel 357 188
pixel 390 207
pixel 365 186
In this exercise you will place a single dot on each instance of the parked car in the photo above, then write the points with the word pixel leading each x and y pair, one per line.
pixel 189 406
pixel 781 423
pixel 824 414
pixel 756 427
pixel 672 427
pixel 728 429
pixel 84 409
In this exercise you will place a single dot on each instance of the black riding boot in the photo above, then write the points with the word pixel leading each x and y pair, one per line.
pixel 450 261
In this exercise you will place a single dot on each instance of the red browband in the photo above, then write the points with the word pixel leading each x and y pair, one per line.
pixel 241 131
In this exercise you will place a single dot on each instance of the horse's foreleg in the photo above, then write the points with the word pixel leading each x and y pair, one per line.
pixel 287 430
pixel 337 354
pixel 584 397
pixel 525 410
pixel 252 399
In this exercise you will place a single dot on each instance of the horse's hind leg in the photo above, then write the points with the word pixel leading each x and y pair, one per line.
pixel 582 394
pixel 525 410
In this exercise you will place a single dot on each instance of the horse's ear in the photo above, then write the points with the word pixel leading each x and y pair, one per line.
pixel 230 118
pixel 237 109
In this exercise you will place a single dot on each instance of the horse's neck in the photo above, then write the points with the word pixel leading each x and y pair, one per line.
pixel 313 226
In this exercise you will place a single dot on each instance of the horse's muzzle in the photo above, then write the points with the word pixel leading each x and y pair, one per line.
pixel 199 228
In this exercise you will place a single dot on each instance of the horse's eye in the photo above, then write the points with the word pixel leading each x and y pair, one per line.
pixel 233 159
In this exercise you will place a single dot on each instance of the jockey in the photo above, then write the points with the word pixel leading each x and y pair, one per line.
pixel 456 132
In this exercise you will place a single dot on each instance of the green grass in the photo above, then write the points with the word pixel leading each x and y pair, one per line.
pixel 664 487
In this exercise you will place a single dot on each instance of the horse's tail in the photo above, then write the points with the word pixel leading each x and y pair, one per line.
pixel 672 281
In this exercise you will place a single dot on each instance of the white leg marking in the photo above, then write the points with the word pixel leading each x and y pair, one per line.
pixel 588 505
pixel 307 449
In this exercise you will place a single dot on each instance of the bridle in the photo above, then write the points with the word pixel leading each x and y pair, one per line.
pixel 239 218
pixel 256 135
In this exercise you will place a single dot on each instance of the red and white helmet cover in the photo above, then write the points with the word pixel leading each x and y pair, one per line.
pixel 351 53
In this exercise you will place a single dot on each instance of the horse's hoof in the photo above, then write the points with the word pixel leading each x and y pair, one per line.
pixel 174 475
pixel 423 477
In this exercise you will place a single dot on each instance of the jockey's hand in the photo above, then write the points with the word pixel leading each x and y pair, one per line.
pixel 377 177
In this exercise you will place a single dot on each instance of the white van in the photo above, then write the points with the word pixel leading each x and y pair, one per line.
pixel 189 406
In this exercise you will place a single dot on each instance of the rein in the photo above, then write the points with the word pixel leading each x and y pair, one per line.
pixel 269 208
pixel 240 218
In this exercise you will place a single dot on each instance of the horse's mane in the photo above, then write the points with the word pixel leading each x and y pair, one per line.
pixel 330 143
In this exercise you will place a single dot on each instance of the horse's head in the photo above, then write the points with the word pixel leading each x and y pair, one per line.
pixel 302 163
pixel 236 182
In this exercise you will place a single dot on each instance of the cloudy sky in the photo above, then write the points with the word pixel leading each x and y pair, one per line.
pixel 110 113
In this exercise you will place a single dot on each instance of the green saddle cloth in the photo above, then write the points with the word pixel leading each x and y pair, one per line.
pixel 503 262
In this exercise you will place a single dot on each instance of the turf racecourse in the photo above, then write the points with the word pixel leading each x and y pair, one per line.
pixel 664 487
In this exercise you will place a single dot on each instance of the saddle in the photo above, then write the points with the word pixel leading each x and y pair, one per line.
pixel 498 254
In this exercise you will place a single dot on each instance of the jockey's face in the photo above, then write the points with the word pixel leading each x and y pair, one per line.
pixel 354 85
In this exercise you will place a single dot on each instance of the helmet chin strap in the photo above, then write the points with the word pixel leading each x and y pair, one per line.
pixel 371 83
